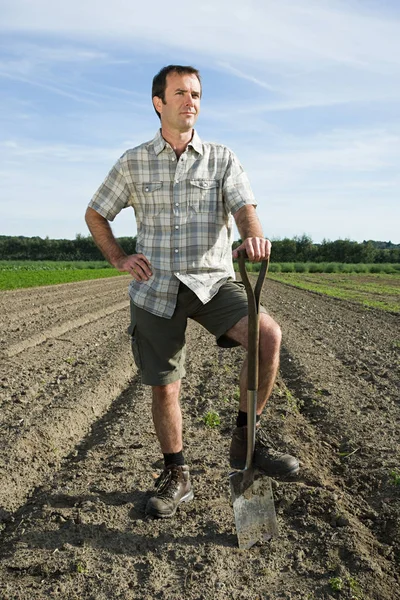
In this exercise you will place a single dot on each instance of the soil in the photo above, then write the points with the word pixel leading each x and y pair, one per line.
pixel 79 455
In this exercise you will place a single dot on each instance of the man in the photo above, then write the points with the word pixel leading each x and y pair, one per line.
pixel 183 192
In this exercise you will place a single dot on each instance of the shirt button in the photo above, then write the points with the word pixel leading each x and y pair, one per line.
pixel 177 273
pixel 205 184
pixel 176 203
pixel 176 226
pixel 173 158
pixel 176 250
pixel 146 189
pixel 176 180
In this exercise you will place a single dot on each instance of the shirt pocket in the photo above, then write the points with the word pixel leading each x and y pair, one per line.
pixel 203 195
pixel 151 195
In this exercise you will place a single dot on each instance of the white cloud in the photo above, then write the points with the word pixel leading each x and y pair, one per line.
pixel 290 32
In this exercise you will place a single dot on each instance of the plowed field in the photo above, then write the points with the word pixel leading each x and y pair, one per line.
pixel 79 455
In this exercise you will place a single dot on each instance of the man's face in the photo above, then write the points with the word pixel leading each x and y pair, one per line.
pixel 182 102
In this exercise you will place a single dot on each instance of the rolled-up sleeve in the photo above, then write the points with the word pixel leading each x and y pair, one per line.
pixel 113 195
pixel 236 187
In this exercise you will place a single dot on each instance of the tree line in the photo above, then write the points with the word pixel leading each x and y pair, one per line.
pixel 297 249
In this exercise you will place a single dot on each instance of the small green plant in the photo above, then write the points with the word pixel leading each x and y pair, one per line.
pixel 331 566
pixel 80 567
pixel 236 395
pixel 293 404
pixel 355 587
pixel 336 584
pixel 212 419
pixel 395 477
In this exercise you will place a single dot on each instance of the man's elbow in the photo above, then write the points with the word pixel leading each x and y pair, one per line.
pixel 246 209
pixel 91 216
pixel 244 213
pixel 88 214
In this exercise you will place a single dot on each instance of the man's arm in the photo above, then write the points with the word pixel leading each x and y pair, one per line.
pixel 249 226
pixel 135 264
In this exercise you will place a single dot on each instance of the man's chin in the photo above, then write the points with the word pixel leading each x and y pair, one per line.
pixel 190 120
pixel 188 126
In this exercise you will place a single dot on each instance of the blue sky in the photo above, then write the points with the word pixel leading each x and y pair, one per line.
pixel 306 92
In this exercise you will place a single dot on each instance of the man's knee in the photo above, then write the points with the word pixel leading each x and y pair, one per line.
pixel 169 391
pixel 270 334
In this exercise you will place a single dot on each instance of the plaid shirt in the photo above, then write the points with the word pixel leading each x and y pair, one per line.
pixel 183 210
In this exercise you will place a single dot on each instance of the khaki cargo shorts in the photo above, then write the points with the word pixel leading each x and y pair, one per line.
pixel 158 344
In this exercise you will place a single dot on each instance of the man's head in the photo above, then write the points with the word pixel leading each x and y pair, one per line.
pixel 176 86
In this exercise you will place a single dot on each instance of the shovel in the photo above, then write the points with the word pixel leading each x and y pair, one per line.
pixel 251 492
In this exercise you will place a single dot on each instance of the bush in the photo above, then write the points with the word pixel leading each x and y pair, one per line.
pixel 331 268
pixel 274 267
pixel 346 268
pixel 300 267
pixel 253 267
pixel 379 268
pixel 287 267
pixel 316 268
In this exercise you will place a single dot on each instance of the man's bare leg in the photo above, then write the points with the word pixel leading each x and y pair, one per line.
pixel 266 458
pixel 269 346
pixel 167 416
pixel 173 486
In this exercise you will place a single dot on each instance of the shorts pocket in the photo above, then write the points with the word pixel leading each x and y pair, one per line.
pixel 136 351
pixel 132 330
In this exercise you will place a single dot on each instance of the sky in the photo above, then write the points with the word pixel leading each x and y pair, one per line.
pixel 305 92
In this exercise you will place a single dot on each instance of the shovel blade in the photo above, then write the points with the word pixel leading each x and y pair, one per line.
pixel 253 506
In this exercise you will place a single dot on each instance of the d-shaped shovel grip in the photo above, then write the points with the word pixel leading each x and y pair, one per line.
pixel 253 298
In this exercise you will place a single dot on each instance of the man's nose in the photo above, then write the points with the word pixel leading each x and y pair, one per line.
pixel 189 100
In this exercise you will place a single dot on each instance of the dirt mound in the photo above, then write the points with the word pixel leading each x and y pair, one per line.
pixel 79 455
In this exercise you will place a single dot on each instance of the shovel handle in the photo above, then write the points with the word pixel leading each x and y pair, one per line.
pixel 253 298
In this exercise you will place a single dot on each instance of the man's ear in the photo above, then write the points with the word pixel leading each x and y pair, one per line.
pixel 157 103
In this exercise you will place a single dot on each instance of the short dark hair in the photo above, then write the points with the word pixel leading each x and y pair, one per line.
pixel 160 80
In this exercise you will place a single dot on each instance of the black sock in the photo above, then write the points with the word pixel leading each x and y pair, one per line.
pixel 241 420
pixel 174 458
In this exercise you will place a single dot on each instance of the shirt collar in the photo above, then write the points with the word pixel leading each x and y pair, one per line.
pixel 196 143
pixel 159 143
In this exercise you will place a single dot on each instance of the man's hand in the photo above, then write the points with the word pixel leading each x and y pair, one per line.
pixel 135 264
pixel 256 246
pixel 257 249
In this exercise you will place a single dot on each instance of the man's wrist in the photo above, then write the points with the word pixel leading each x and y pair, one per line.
pixel 117 261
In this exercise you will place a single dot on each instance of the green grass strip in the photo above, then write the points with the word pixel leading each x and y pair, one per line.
pixel 355 290
pixel 51 265
pixel 11 280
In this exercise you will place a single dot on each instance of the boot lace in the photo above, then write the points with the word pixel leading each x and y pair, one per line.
pixel 166 483
pixel 264 441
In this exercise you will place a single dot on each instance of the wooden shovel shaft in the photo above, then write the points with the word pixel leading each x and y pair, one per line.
pixel 253 297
